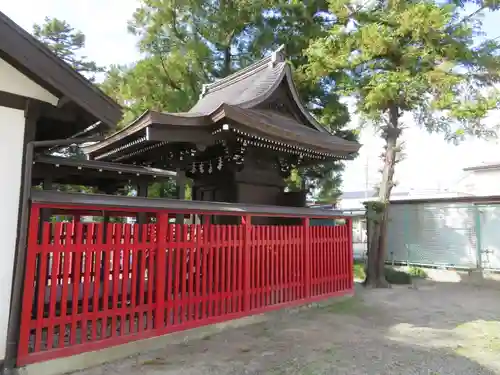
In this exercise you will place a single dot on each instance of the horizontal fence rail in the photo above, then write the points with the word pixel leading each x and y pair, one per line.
pixel 93 285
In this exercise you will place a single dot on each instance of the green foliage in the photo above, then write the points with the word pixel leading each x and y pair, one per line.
pixel 397 277
pixel 66 43
pixel 190 42
pixel 393 276
pixel 417 58
pixel 164 189
pixel 417 272
pixel 359 270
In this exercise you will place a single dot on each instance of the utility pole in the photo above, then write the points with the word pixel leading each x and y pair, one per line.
pixel 366 175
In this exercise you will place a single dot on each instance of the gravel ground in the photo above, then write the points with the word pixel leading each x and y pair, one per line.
pixel 433 329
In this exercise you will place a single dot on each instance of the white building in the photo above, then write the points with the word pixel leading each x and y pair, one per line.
pixel 481 179
pixel 41 99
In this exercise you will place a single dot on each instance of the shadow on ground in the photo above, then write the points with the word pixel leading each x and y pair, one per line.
pixel 434 329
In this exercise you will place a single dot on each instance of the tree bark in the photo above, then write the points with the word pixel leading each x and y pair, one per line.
pixel 375 275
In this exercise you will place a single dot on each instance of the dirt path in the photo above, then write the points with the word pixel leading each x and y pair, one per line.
pixel 436 329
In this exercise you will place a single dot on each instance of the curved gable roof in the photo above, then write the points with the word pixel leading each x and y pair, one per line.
pixel 251 86
pixel 36 61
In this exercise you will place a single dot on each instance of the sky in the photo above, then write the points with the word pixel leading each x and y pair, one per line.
pixel 430 163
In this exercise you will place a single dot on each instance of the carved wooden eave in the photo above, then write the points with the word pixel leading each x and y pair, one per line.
pixel 244 103
pixel 61 170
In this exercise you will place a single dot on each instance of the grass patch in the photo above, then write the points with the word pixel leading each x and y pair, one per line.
pixel 417 272
pixel 480 335
pixel 397 277
pixel 359 270
pixel 155 362
pixel 404 276
pixel 393 276
pixel 346 305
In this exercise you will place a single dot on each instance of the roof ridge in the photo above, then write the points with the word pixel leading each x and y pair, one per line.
pixel 240 78
pixel 273 58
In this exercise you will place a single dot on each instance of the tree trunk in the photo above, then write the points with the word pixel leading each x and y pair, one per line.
pixel 375 276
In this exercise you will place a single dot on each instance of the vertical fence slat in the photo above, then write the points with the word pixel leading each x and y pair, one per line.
pixel 241 267
pixel 151 273
pixel 96 287
pixel 142 260
pixel 246 261
pixel 183 281
pixel 177 276
pixel 287 267
pixel 217 275
pixel 53 279
pixel 307 257
pixel 30 283
pixel 133 284
pixel 68 255
pixel 107 274
pixel 230 272
pixel 222 269
pixel 170 291
pixel 198 273
pixel 350 253
pixel 44 245
pixel 191 273
pixel 204 271
pixel 117 229
pixel 161 270
pixel 86 282
pixel 76 279
pixel 125 279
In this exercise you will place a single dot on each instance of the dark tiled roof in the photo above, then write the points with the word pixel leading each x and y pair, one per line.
pixel 241 88
pixel 289 130
pixel 237 97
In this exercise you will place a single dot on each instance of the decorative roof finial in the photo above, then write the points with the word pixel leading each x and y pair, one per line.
pixel 203 90
pixel 277 56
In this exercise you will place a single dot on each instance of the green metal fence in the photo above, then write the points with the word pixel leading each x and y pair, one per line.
pixel 444 234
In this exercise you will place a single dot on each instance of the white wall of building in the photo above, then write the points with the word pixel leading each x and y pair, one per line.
pixel 13 81
pixel 11 152
pixel 481 182
pixel 12 126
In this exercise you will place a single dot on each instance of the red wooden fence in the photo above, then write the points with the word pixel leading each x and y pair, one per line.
pixel 91 286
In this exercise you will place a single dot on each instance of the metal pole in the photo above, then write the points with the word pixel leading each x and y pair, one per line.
pixel 20 256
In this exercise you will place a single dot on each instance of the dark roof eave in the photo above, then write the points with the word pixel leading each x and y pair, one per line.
pixel 105 166
pixel 337 146
pixel 148 118
pixel 482 167
pixel 30 55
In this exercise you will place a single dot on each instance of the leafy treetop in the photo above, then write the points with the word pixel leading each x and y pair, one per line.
pixel 66 43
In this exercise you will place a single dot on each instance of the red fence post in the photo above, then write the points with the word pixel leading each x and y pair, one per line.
pixel 247 222
pixel 29 283
pixel 307 256
pixel 350 252
pixel 161 267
